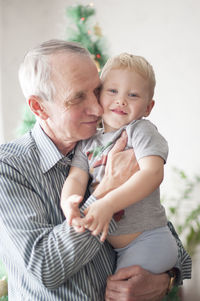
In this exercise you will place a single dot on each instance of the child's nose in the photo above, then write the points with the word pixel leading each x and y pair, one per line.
pixel 121 101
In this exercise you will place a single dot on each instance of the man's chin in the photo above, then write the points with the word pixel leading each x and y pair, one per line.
pixel 88 134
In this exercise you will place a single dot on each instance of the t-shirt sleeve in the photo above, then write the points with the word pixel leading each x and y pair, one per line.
pixel 80 158
pixel 147 141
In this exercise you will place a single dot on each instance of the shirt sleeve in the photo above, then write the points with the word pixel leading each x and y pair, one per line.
pixel 147 141
pixel 184 262
pixel 50 252
pixel 80 159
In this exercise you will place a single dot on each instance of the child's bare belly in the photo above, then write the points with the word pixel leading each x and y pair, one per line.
pixel 120 241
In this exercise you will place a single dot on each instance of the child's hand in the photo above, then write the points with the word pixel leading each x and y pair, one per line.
pixel 70 207
pixel 97 219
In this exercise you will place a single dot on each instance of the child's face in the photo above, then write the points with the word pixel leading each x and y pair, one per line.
pixel 124 98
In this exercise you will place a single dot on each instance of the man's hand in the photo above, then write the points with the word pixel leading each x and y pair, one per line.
pixel 120 166
pixel 136 284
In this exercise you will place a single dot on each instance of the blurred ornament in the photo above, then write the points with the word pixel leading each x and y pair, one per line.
pixel 97 65
pixel 3 287
pixel 97 30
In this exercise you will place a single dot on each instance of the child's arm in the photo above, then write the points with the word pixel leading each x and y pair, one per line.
pixel 136 188
pixel 72 193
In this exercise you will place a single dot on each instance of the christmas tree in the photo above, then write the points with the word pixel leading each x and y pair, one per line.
pixel 28 121
pixel 88 35
pixel 83 31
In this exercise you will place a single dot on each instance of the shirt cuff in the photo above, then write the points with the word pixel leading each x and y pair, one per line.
pixel 178 279
pixel 112 226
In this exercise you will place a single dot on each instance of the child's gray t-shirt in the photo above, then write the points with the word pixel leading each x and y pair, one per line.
pixel 144 138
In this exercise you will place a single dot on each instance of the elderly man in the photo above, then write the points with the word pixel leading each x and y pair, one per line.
pixel 45 258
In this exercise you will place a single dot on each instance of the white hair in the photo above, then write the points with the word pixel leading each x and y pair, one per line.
pixel 35 71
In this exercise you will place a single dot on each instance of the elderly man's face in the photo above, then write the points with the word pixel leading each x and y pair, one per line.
pixel 75 111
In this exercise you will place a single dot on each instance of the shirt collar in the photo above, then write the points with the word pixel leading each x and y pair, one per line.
pixel 48 152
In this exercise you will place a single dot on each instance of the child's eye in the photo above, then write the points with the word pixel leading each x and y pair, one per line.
pixel 132 95
pixel 112 91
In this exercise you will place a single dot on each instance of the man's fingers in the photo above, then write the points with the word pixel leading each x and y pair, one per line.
pixel 126 273
pixel 120 144
pixel 114 290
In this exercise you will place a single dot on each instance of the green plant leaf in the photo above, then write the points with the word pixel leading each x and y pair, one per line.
pixel 189 227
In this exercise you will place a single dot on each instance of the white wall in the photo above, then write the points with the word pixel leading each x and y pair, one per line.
pixel 165 32
pixel 25 23
pixel 1 113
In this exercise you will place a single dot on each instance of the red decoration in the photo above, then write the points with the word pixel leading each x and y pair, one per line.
pixel 82 19
pixel 98 56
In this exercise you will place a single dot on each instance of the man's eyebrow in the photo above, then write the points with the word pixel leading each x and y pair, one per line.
pixel 71 98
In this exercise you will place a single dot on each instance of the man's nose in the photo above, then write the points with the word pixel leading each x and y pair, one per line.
pixel 94 108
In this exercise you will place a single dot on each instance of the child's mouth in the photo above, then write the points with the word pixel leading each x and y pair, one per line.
pixel 119 112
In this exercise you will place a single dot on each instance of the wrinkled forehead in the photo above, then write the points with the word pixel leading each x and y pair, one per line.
pixel 65 63
pixel 71 71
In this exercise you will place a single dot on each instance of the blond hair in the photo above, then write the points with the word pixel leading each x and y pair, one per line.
pixel 133 63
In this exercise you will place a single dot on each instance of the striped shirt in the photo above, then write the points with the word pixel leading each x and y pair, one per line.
pixel 44 257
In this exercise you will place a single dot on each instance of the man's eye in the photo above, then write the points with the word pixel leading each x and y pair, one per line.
pixel 80 96
pixel 76 99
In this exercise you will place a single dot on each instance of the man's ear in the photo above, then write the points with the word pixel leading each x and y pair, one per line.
pixel 36 106
pixel 149 108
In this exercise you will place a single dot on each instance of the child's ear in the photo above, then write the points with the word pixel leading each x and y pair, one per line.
pixel 149 108
pixel 36 106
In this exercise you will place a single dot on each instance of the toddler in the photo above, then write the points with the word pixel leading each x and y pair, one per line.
pixel 142 236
